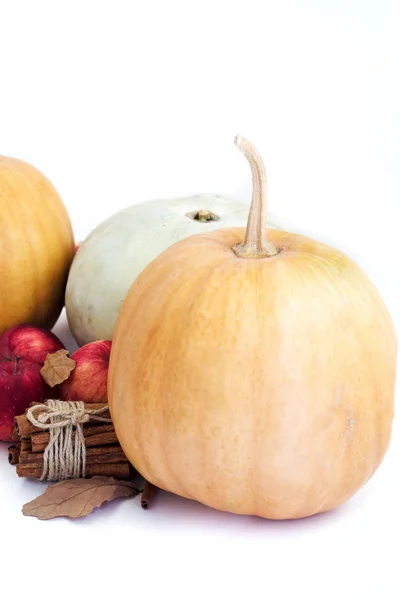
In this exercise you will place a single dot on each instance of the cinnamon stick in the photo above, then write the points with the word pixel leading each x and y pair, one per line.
pixel 104 455
pixel 89 428
pixel 13 454
pixel 24 427
pixel 122 470
pixel 95 435
pixel 149 491
pixel 26 445
pixel 98 455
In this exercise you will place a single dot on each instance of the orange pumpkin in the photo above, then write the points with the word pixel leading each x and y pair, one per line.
pixel 36 247
pixel 256 377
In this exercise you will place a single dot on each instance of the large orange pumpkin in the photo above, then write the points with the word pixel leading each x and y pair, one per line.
pixel 255 377
pixel 36 247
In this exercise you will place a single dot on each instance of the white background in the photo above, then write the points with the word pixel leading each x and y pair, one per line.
pixel 118 102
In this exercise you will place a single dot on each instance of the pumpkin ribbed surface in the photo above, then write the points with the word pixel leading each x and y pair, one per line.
pixel 256 386
pixel 36 247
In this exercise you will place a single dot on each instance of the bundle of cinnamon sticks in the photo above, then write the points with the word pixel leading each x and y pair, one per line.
pixel 104 455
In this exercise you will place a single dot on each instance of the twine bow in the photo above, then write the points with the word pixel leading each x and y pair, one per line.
pixel 65 454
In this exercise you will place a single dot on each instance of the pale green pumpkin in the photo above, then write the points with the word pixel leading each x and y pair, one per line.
pixel 113 255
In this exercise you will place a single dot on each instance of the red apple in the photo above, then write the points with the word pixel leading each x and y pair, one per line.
pixel 88 381
pixel 23 350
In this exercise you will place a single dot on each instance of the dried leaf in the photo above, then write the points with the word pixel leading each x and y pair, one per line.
pixel 76 498
pixel 57 367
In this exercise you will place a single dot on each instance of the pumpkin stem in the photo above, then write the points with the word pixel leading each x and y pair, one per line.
pixel 255 243
pixel 204 216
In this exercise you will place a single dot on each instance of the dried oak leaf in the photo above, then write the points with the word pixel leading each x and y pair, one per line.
pixel 76 498
pixel 57 367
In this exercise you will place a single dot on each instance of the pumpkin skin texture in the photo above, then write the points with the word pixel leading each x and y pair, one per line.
pixel 262 387
pixel 258 386
pixel 116 251
pixel 36 247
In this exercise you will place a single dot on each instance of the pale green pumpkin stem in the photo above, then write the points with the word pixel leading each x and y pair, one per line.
pixel 255 243
pixel 203 216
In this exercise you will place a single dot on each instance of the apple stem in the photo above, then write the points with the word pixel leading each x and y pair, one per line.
pixel 17 358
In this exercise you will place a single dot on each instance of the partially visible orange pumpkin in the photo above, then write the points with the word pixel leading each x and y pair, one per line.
pixel 36 247
pixel 254 376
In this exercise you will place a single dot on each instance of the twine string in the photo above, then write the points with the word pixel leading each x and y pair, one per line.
pixel 65 454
